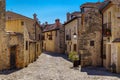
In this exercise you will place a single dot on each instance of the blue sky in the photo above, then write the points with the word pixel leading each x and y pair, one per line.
pixel 46 10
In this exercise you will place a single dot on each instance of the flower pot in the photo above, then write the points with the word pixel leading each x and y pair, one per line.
pixel 76 63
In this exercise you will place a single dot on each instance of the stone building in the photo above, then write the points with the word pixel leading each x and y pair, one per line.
pixel 30 43
pixel 16 34
pixel 4 38
pixel 71 31
pixel 53 37
pixel 111 34
pixel 90 34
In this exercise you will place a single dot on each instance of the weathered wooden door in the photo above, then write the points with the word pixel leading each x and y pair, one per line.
pixel 13 57
pixel 109 55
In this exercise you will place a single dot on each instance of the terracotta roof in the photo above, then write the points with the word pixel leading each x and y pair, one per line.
pixel 71 20
pixel 116 40
pixel 76 13
pixel 29 22
pixel 15 16
pixel 105 3
pixel 51 27
pixel 73 15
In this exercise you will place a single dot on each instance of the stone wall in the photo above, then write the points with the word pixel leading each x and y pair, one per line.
pixel 70 29
pixel 56 43
pixel 61 40
pixel 91 36
pixel 111 21
pixel 17 40
pixel 4 51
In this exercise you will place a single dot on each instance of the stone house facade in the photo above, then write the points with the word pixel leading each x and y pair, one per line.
pixel 71 31
pixel 111 34
pixel 90 34
pixel 4 38
pixel 31 30
pixel 16 33
pixel 53 37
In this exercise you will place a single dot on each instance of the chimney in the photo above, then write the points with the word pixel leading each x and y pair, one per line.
pixel 57 22
pixel 68 16
pixel 35 16
pixel 46 23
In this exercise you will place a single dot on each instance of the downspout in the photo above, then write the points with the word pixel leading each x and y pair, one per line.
pixel 35 42
pixel 78 35
pixel 65 45
pixel 64 39
pixel 78 39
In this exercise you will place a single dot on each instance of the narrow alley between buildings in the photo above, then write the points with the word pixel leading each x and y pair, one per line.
pixel 52 66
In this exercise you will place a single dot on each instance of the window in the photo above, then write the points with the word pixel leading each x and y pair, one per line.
pixel 91 43
pixel 50 37
pixel 26 45
pixel 75 47
pixel 60 45
pixel 9 17
pixel 39 37
pixel 47 35
pixel 22 23
pixel 70 47
pixel 43 37
pixel 68 37
pixel 56 33
pixel 65 46
pixel 37 47
pixel 109 18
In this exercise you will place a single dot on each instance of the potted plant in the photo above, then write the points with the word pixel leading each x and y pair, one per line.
pixel 74 57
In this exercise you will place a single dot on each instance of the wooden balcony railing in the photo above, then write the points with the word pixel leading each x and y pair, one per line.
pixel 107 29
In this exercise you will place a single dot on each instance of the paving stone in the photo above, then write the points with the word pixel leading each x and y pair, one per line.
pixel 52 67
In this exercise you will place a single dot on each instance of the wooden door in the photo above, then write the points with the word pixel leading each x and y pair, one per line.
pixel 109 55
pixel 13 57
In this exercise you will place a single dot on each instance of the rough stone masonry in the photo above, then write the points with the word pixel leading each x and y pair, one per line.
pixel 4 38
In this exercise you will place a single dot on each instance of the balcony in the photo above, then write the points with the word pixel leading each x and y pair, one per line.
pixel 107 29
pixel 68 37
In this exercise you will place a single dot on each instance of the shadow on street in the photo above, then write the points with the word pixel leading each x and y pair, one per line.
pixel 98 71
pixel 9 71
pixel 63 55
pixel 93 71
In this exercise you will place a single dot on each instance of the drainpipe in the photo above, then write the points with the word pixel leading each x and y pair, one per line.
pixel 78 40
pixel 78 35
pixel 64 39
pixel 35 39
pixel 35 19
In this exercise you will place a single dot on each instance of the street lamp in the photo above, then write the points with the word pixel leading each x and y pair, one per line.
pixel 74 35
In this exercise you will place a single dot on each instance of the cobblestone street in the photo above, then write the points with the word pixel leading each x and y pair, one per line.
pixel 50 66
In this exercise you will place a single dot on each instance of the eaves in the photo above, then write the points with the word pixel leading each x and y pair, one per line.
pixel 71 20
